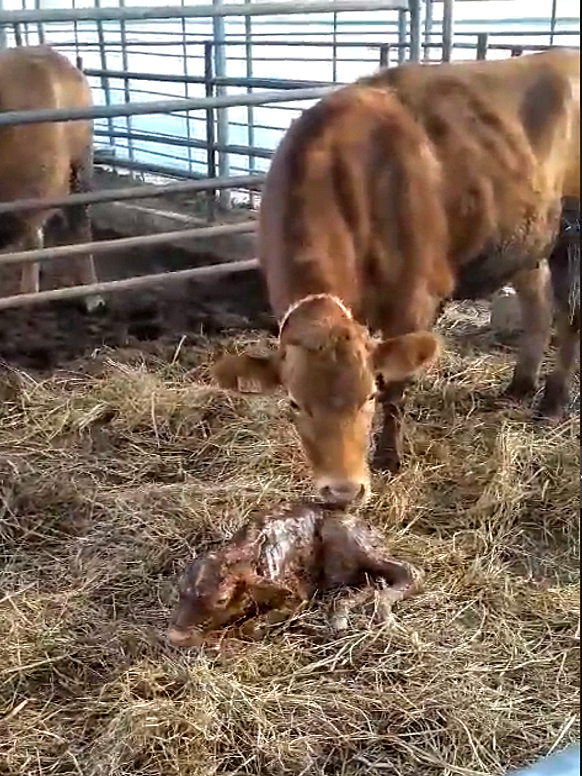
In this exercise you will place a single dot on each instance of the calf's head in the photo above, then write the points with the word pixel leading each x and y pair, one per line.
pixel 212 593
pixel 330 367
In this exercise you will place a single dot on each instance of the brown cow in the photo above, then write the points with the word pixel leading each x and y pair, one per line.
pixel 280 560
pixel 44 160
pixel 390 196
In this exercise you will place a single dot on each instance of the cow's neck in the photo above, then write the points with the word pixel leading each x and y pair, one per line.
pixel 304 300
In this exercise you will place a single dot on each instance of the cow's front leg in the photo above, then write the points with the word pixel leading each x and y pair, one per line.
pixel 389 443
pixel 534 294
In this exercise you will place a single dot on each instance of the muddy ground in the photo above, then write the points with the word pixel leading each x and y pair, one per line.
pixel 48 336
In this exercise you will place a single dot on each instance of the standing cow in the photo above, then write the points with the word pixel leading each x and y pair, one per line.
pixel 413 186
pixel 44 160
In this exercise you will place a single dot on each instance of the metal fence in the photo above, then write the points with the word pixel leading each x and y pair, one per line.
pixel 202 93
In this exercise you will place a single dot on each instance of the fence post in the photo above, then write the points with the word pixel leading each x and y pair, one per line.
pixel 105 85
pixel 384 55
pixel 482 45
pixel 448 29
pixel 222 128
pixel 415 14
pixel 3 36
pixel 249 70
pixel 210 133
pixel 402 36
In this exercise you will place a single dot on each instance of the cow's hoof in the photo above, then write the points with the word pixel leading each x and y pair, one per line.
pixel 387 461
pixel 520 388
pixel 555 399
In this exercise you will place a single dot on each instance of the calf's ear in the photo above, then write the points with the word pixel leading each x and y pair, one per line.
pixel 401 358
pixel 230 370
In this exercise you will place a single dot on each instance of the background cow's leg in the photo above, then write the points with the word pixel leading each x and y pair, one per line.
pixel 79 223
pixel 534 294
pixel 30 272
pixel 557 388
pixel 565 272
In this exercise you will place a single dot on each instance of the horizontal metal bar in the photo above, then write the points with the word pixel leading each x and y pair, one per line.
pixel 133 193
pixel 11 118
pixel 123 243
pixel 196 11
pixel 211 271
pixel 257 83
pixel 184 142
pixel 111 160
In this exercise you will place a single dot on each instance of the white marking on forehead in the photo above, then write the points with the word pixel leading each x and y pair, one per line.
pixel 336 300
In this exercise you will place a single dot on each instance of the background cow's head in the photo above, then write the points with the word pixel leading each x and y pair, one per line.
pixel 330 368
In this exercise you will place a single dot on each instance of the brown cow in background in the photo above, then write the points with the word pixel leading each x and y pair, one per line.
pixel 390 196
pixel 44 160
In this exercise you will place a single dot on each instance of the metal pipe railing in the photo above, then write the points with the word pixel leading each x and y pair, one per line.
pixel 123 243
pixel 93 14
pixel 132 193
pixel 210 271
pixel 12 118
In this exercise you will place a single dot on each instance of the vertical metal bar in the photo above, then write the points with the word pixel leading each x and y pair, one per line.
pixel 482 45
pixel 553 21
pixel 3 33
pixel 385 55
pixel 187 89
pixel 222 128
pixel 18 34
pixel 448 29
pixel 76 31
pixel 402 35
pixel 415 10
pixel 126 82
pixel 334 50
pixel 210 132
pixel 26 35
pixel 428 20
pixel 105 85
pixel 250 109
pixel 39 26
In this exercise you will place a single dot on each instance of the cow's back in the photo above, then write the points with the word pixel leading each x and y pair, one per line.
pixel 540 92
pixel 35 159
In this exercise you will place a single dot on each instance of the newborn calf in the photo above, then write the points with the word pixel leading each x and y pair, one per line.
pixel 278 561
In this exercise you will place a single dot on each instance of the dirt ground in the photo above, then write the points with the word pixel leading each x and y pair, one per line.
pixel 47 336
pixel 119 460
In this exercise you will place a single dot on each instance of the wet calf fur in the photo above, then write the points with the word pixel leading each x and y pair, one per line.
pixel 280 560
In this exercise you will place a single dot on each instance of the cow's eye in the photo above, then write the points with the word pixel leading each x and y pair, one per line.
pixel 294 406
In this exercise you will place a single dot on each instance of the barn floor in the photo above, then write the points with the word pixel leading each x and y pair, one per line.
pixel 118 458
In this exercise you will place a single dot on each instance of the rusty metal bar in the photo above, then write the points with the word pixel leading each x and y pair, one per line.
pixel 108 246
pixel 132 193
pixel 78 292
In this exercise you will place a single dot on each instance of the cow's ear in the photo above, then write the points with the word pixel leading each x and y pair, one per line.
pixel 230 371
pixel 401 358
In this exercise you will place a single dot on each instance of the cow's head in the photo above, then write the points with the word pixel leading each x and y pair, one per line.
pixel 330 367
